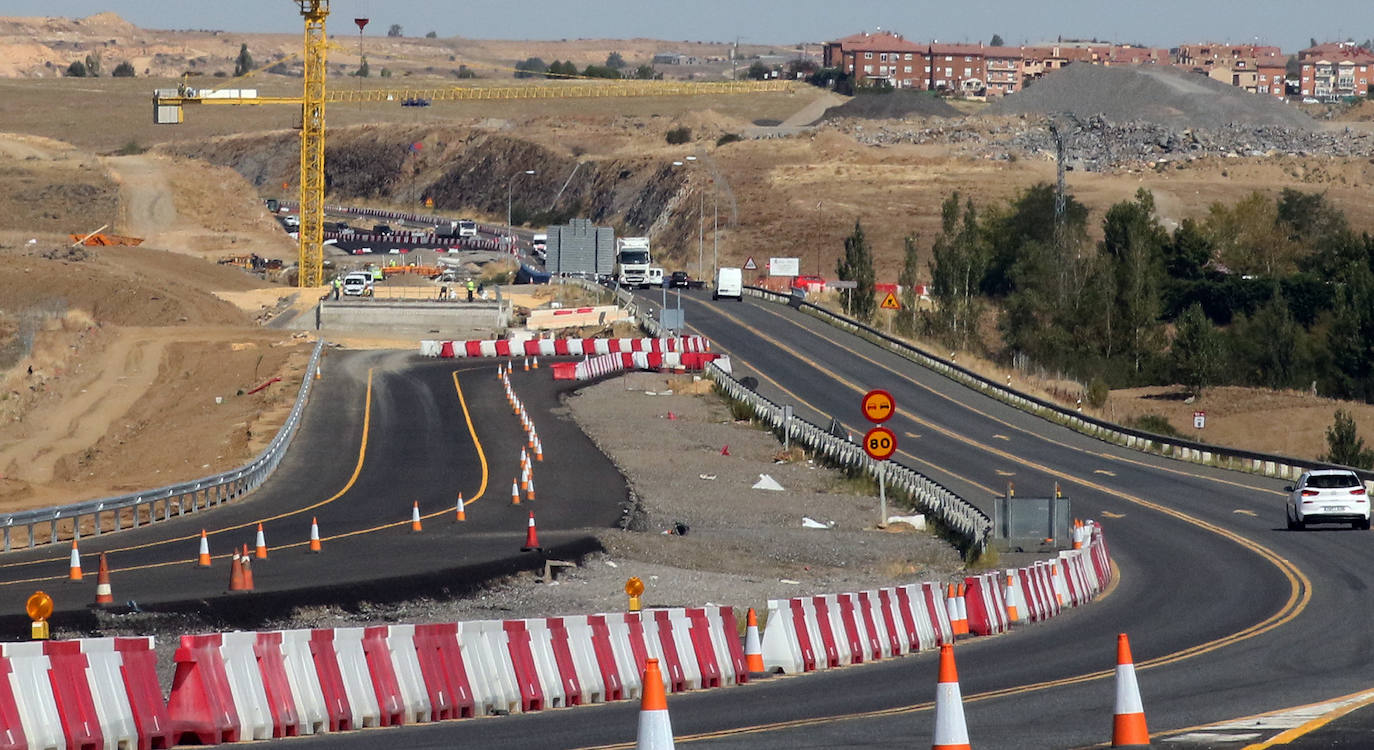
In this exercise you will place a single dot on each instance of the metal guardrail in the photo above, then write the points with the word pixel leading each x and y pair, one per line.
pixel 1265 464
pixel 142 508
pixel 931 497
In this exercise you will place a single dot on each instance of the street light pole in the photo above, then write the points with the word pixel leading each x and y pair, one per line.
pixel 510 192
pixel 701 220
pixel 715 230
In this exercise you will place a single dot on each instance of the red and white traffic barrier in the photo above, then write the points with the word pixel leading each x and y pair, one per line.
pixel 530 346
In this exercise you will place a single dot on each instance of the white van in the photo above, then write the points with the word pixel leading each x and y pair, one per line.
pixel 729 283
pixel 357 284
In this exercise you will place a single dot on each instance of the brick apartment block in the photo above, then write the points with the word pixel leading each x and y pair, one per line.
pixel 1334 71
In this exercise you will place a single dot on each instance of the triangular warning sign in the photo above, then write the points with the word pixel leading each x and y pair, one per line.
pixel 890 302
pixel 750 265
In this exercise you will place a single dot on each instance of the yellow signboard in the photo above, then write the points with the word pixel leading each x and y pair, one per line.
pixel 890 302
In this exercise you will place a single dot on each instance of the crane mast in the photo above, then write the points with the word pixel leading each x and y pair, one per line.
pixel 311 230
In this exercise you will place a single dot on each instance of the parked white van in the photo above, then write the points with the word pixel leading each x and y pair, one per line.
pixel 357 284
pixel 729 283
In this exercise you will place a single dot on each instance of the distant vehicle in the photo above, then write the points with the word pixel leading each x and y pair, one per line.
pixel 357 284
pixel 381 229
pixel 679 279
pixel 632 262
pixel 729 283
pixel 291 221
pixel 467 228
pixel 654 276
pixel 1327 496
pixel 273 204
pixel 415 102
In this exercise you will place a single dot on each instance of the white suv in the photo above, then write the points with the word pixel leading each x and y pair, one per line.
pixel 1328 496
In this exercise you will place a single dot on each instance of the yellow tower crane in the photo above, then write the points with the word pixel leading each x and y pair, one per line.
pixel 167 109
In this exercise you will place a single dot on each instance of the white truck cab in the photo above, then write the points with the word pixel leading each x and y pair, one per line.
pixel 729 283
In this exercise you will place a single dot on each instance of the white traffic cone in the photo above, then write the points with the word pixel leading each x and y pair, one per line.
pixel 655 729
pixel 951 733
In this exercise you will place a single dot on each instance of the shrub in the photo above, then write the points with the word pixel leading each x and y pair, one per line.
pixel 123 70
pixel 728 138
pixel 1097 393
pixel 679 135
pixel 1153 423
pixel 78 70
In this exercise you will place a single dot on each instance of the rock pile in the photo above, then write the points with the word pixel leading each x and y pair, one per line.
pixel 892 106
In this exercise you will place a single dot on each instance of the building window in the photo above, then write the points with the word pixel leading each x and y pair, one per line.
pixel 882 56
pixel 948 58
pixel 868 55
pixel 968 59
pixel 968 72
pixel 949 72
pixel 868 69
pixel 907 69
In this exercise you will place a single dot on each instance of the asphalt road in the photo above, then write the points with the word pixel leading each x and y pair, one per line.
pixel 382 431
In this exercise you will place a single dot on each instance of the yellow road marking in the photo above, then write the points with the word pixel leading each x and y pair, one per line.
pixel 912 435
pixel 1110 514
pixel 1245 512
pixel 1002 473
pixel 1001 437
pixel 1104 471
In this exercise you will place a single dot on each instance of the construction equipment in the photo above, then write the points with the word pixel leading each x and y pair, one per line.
pixel 168 103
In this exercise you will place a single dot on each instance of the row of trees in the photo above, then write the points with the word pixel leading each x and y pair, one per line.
pixel 615 67
pixel 91 68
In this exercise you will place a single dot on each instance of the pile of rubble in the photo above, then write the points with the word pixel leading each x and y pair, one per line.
pixel 1096 143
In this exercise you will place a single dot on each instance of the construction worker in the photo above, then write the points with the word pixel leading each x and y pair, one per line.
pixel 337 286
pixel 472 287
pixel 377 274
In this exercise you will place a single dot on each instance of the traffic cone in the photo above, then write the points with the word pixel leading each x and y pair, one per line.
pixel 1013 613
pixel 530 437
pixel 74 573
pixel 529 493
pixel 524 457
pixel 531 536
pixel 314 535
pixel 538 449
pixel 415 517
pixel 753 648
pixel 725 451
pixel 535 364
pixel 462 514
pixel 204 559
pixel 655 729
pixel 962 603
pixel 246 563
pixel 261 544
pixel 524 476
pixel 103 594
pixel 956 625
pixel 514 493
pixel 1128 721
pixel 235 572
pixel 951 733
pixel 527 364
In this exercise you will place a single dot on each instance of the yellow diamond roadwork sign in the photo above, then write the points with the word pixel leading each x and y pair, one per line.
pixel 890 302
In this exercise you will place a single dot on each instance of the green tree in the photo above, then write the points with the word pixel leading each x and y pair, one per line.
pixel 465 72
pixel 646 72
pixel 958 262
pixel 1197 354
pixel 1188 252
pixel 93 64
pixel 1134 241
pixel 364 70
pixel 614 60
pixel 600 71
pixel 1268 347
pixel 530 67
pixel 757 71
pixel 857 265
pixel 431 35
pixel 394 31
pixel 996 41
pixel 123 70
pixel 244 62
pixel 1030 218
pixel 76 70
pixel 1344 444
pixel 1248 238
pixel 907 279
pixel 1350 338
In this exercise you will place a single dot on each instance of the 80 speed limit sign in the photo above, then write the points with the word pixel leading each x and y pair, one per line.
pixel 880 443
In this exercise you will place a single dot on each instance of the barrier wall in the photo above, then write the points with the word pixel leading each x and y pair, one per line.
pixel 245 686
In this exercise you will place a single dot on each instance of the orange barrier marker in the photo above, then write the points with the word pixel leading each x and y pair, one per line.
pixel 1128 721
pixel 103 594
pixel 261 544
pixel 415 524
pixel 531 536
pixel 1055 584
pixel 235 573
pixel 951 732
pixel 462 514
pixel 204 559
pixel 655 728
pixel 514 493
pixel 246 563
pixel 74 573
pixel 753 648
pixel 314 535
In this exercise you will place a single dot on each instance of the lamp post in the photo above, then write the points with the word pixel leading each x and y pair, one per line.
pixel 510 191
pixel 701 229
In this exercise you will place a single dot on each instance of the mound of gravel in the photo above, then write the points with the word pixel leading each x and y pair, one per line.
pixel 1157 94
pixel 893 106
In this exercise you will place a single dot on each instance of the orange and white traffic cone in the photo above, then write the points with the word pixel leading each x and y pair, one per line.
pixel 962 604
pixel 529 491
pixel 655 728
pixel 753 648
pixel 527 364
pixel 314 535
pixel 261 545
pixel 531 536
pixel 514 493
pixel 951 733
pixel 103 593
pixel 538 449
pixel 1012 596
pixel 246 563
pixel 74 573
pixel 1128 721
pixel 534 365
pixel 958 624
pixel 235 572
pixel 415 524
pixel 462 513
pixel 203 560
pixel 524 476
pixel 524 457
pixel 530 437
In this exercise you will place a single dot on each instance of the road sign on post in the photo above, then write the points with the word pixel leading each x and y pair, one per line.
pixel 878 406
pixel 890 302
pixel 880 443
pixel 1199 420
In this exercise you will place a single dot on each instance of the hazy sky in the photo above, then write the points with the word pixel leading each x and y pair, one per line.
pixel 1161 23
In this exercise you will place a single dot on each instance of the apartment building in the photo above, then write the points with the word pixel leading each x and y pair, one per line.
pixel 958 68
pixel 879 56
pixel 1004 68
pixel 1334 71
